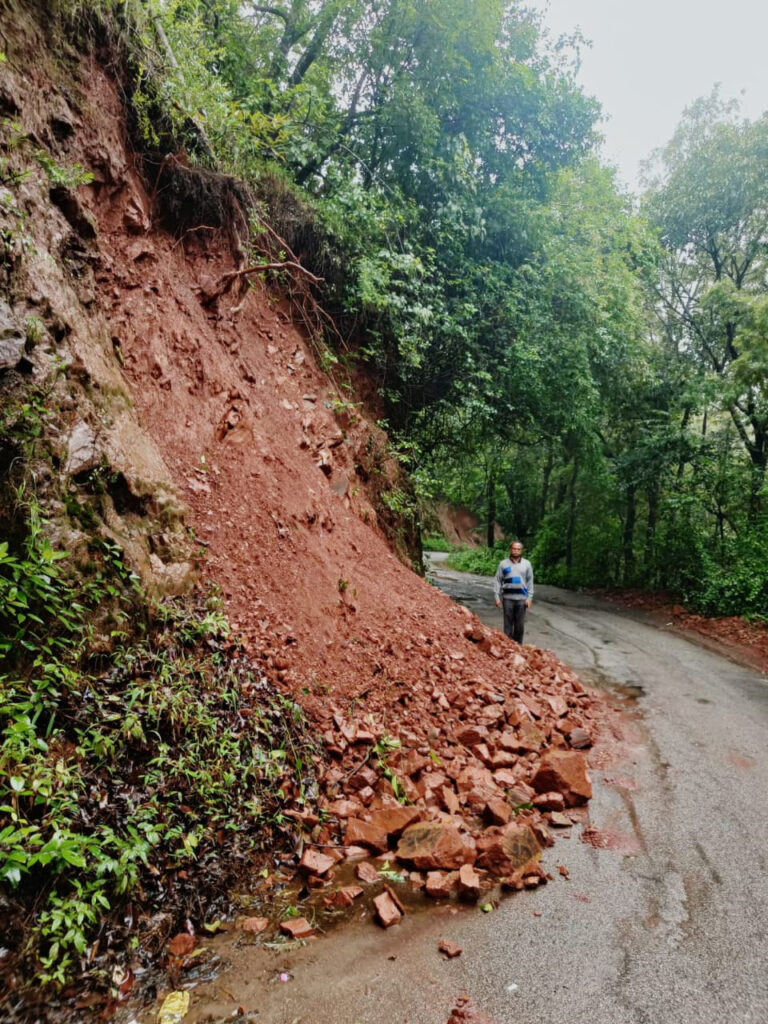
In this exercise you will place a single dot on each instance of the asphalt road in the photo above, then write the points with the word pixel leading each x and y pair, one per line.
pixel 668 927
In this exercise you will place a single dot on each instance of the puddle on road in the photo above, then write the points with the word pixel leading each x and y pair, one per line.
pixel 230 968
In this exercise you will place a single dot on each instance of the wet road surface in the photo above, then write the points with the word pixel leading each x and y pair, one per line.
pixel 669 925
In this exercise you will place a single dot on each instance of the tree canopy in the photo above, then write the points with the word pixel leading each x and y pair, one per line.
pixel 587 371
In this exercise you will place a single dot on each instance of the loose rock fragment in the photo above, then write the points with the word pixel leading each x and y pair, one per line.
pixel 364 833
pixel 440 884
pixel 469 882
pixel 297 928
pixel 255 925
pixel 450 949
pixel 316 863
pixel 367 873
pixel 566 772
pixel 387 910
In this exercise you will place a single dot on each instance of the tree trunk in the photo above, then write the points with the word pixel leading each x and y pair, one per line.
pixel 650 528
pixel 548 466
pixel 629 533
pixel 571 517
pixel 491 507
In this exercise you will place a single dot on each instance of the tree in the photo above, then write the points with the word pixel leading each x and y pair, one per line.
pixel 710 202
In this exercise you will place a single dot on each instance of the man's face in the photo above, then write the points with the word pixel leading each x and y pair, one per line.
pixel 515 551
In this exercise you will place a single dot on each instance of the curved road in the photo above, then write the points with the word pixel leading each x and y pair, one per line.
pixel 670 926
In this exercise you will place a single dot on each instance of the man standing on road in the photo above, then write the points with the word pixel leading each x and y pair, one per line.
pixel 513 586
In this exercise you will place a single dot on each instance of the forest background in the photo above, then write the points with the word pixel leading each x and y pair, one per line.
pixel 581 366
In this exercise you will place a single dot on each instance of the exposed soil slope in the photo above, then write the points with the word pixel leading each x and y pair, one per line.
pixel 275 481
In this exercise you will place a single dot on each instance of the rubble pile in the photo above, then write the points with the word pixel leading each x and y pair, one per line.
pixel 457 783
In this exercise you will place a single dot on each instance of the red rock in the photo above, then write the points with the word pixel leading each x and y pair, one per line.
pixel 365 795
pixel 450 800
pixel 363 833
pixel 520 793
pixel 498 811
pixel 387 910
pixel 394 819
pixel 441 884
pixel 355 852
pixel 254 925
pixel 362 778
pixel 508 740
pixel 504 851
pixel 503 759
pixel 530 737
pixel 560 820
pixel 450 949
pixel 297 928
pixel 343 897
pixel 432 845
pixel 563 870
pixel 558 705
pixel 579 738
pixel 344 808
pixel 542 833
pixel 316 863
pixel 533 705
pixel 549 802
pixel 367 873
pixel 469 882
pixel 491 715
pixel 566 772
pixel 471 735
pixel 482 751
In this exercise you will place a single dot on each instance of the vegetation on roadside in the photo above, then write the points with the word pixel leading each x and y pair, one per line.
pixel 142 751
pixel 484 561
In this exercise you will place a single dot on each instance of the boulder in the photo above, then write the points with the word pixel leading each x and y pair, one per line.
pixel 364 833
pixel 503 851
pixel 433 845
pixel 564 771
pixel 394 819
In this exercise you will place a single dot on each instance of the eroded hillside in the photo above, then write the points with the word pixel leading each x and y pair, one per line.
pixel 212 449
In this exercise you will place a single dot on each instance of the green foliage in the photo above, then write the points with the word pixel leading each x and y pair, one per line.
pixel 436 543
pixel 484 561
pixel 65 177
pixel 119 761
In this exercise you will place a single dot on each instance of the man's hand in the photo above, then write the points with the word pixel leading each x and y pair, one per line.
pixel 498 603
pixel 528 602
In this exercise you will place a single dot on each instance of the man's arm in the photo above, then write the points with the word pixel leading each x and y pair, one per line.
pixel 497 586
pixel 529 584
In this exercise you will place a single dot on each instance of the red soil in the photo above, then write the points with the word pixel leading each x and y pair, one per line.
pixel 243 417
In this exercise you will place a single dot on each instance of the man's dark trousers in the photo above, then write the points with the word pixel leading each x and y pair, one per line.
pixel 514 619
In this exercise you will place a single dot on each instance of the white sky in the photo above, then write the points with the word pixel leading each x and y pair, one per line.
pixel 651 58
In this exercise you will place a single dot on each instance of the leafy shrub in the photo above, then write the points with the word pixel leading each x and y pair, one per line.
pixel 484 561
pixel 133 752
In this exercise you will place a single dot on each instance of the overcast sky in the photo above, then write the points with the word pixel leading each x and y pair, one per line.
pixel 651 58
